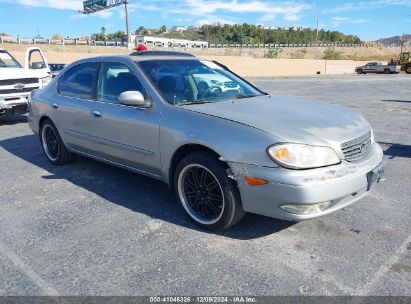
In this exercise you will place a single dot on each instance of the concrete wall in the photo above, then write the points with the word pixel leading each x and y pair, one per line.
pixel 261 67
pixel 244 66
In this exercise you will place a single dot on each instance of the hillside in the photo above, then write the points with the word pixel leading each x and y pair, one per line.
pixel 394 39
pixel 252 34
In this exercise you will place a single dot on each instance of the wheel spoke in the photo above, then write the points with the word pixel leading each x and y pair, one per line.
pixel 194 175
pixel 215 196
pixel 213 185
pixel 203 176
pixel 213 208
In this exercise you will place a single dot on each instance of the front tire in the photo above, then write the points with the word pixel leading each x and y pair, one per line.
pixel 408 69
pixel 209 197
pixel 54 148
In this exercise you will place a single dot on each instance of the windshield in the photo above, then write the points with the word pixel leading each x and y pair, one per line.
pixel 8 61
pixel 404 56
pixel 195 81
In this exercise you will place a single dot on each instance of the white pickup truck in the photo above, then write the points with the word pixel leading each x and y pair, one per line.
pixel 17 82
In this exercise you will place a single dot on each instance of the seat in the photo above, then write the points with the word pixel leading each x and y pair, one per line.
pixel 167 86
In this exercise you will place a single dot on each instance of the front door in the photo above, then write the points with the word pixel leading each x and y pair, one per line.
pixel 126 134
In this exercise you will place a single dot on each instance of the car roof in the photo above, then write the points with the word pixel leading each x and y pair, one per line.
pixel 134 58
pixel 167 57
pixel 161 53
pixel 143 58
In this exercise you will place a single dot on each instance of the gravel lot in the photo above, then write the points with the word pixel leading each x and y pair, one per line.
pixel 92 229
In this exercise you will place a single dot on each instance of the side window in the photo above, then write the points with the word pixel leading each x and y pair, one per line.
pixel 116 78
pixel 79 81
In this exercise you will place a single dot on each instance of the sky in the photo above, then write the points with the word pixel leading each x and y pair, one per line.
pixel 368 19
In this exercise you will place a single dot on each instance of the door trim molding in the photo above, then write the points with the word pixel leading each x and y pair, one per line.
pixel 107 142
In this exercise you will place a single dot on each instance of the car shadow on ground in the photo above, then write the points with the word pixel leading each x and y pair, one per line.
pixel 396 150
pixel 13 120
pixel 133 191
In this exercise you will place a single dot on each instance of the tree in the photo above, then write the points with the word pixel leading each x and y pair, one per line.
pixel 117 35
pixel 247 34
pixel 56 37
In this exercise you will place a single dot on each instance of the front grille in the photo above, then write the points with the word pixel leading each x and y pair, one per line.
pixel 230 84
pixel 358 148
pixel 14 91
pixel 16 81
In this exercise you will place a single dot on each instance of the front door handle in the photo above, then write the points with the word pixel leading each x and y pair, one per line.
pixel 55 105
pixel 97 114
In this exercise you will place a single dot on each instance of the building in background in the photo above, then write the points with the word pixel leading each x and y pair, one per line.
pixel 167 42
pixel 178 28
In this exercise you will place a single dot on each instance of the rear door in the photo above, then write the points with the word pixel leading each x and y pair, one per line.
pixel 126 134
pixel 72 107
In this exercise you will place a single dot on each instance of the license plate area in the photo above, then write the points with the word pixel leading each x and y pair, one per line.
pixel 374 176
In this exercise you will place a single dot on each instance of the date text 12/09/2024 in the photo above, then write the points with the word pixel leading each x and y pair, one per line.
pixel 202 299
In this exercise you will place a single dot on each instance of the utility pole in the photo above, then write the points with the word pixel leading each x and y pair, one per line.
pixel 402 41
pixel 318 17
pixel 127 23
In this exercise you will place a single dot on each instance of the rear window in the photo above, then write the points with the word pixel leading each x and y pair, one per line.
pixel 79 81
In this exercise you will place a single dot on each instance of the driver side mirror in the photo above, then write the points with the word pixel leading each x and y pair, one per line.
pixel 134 98
pixel 37 65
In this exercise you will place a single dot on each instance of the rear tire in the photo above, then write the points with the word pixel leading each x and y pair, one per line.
pixel 387 71
pixel 208 196
pixel 359 72
pixel 408 69
pixel 54 148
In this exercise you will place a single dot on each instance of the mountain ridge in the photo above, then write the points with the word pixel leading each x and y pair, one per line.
pixel 394 39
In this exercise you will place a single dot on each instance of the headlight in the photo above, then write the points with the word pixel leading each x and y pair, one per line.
pixel 299 156
pixel 45 80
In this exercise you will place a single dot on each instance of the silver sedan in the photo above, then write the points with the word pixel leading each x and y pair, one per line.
pixel 223 152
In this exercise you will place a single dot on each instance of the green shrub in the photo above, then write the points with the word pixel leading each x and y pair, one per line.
pixel 273 53
pixel 330 54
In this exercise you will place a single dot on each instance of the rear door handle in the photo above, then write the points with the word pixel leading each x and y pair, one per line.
pixel 55 105
pixel 97 114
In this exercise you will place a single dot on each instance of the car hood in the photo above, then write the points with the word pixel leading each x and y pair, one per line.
pixel 291 119
pixel 17 73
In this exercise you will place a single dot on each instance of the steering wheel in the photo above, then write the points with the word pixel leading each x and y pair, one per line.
pixel 209 90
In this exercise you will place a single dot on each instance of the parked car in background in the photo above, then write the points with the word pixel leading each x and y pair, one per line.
pixel 17 81
pixel 56 68
pixel 224 153
pixel 377 67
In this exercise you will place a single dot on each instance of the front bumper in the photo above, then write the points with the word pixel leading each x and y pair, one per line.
pixel 14 106
pixel 341 185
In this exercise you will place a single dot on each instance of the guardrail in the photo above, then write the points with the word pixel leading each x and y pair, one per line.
pixel 211 45
pixel 300 45
pixel 61 42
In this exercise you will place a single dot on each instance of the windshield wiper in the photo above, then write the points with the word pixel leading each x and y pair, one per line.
pixel 241 96
pixel 198 101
